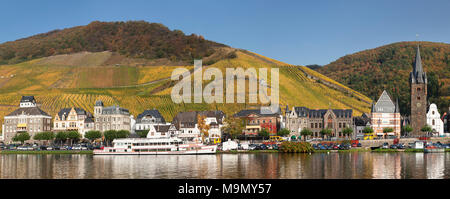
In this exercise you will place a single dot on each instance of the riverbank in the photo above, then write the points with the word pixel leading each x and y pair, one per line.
pixel 48 152
pixel 247 151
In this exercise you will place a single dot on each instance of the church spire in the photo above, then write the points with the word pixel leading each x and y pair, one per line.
pixel 418 75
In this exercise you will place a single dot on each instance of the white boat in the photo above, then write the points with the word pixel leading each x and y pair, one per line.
pixel 159 141
pixel 158 146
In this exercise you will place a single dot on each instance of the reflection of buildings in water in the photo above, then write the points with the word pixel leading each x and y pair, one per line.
pixel 159 166
pixel 435 165
pixel 291 166
pixel 386 166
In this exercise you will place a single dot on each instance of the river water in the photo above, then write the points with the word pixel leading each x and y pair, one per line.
pixel 355 165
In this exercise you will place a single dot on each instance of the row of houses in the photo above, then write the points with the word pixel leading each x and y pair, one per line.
pixel 385 113
pixel 29 117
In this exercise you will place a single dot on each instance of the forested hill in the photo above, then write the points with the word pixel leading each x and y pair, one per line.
pixel 137 39
pixel 388 67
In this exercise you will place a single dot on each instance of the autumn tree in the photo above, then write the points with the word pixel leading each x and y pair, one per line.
pixel 202 126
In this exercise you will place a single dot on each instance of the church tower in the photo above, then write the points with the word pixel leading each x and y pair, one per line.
pixel 418 84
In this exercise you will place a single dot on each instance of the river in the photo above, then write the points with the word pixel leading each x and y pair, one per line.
pixel 355 165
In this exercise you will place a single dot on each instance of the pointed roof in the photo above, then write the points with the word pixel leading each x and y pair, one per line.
pixel 384 104
pixel 418 75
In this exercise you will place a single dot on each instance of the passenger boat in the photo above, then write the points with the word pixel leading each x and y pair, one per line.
pixel 159 141
pixel 155 146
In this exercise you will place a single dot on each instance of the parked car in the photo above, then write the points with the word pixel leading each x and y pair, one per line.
pixel 393 146
pixel 359 145
pixel 76 147
pixel 385 145
pixel 263 147
pixel 252 147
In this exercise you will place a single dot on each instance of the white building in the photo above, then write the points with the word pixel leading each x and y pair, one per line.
pixel 187 125
pixel 434 120
pixel 73 119
pixel 162 131
pixel 149 118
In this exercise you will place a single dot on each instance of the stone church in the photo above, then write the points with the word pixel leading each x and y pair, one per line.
pixel 418 84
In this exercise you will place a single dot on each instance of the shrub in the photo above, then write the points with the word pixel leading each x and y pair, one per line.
pixel 296 147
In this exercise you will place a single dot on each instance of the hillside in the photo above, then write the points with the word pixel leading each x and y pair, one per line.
pixel 136 39
pixel 79 79
pixel 388 67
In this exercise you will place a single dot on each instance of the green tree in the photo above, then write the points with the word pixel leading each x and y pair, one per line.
pixel 122 134
pixel 142 133
pixel 407 129
pixel 283 132
pixel 46 136
pixel 305 133
pixel 426 129
pixel 73 136
pixel 347 131
pixel 110 135
pixel 264 133
pixel 387 130
pixel 61 137
pixel 21 137
pixel 326 132
pixel 93 135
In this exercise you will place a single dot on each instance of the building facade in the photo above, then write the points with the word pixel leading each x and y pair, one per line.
pixel 148 118
pixel 434 120
pixel 359 123
pixel 255 121
pixel 187 124
pixel 386 114
pixel 111 118
pixel 418 85
pixel 300 118
pixel 73 119
pixel 28 118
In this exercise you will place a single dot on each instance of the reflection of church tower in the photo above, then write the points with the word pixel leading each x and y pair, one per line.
pixel 418 84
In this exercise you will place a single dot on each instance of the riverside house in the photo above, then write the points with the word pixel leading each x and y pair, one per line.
pixel 111 118
pixel 300 118
pixel 27 118
pixel 73 119
pixel 256 121
pixel 187 124
pixel 149 118
pixel 386 114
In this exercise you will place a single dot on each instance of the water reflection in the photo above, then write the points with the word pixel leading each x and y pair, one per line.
pixel 269 166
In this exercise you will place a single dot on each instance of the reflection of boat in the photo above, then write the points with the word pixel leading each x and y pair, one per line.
pixel 434 150
pixel 151 146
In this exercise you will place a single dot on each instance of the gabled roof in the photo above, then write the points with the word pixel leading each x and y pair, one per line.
pixel 28 111
pixel 318 113
pixel 153 113
pixel 66 111
pixel 115 110
pixel 27 99
pixel 384 104
pixel 245 113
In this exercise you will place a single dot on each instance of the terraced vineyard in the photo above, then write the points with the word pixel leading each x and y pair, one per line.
pixel 57 86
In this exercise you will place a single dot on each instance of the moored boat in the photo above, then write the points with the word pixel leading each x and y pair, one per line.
pixel 159 146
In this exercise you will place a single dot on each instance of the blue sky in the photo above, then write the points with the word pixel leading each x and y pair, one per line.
pixel 296 32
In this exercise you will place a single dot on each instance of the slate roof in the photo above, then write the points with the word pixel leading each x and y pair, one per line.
pixel 162 128
pixel 66 111
pixel 153 113
pixel 190 118
pixel 361 120
pixel 115 110
pixel 418 75
pixel 27 99
pixel 319 113
pixel 245 113
pixel 385 104
pixel 28 111
pixel 99 103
